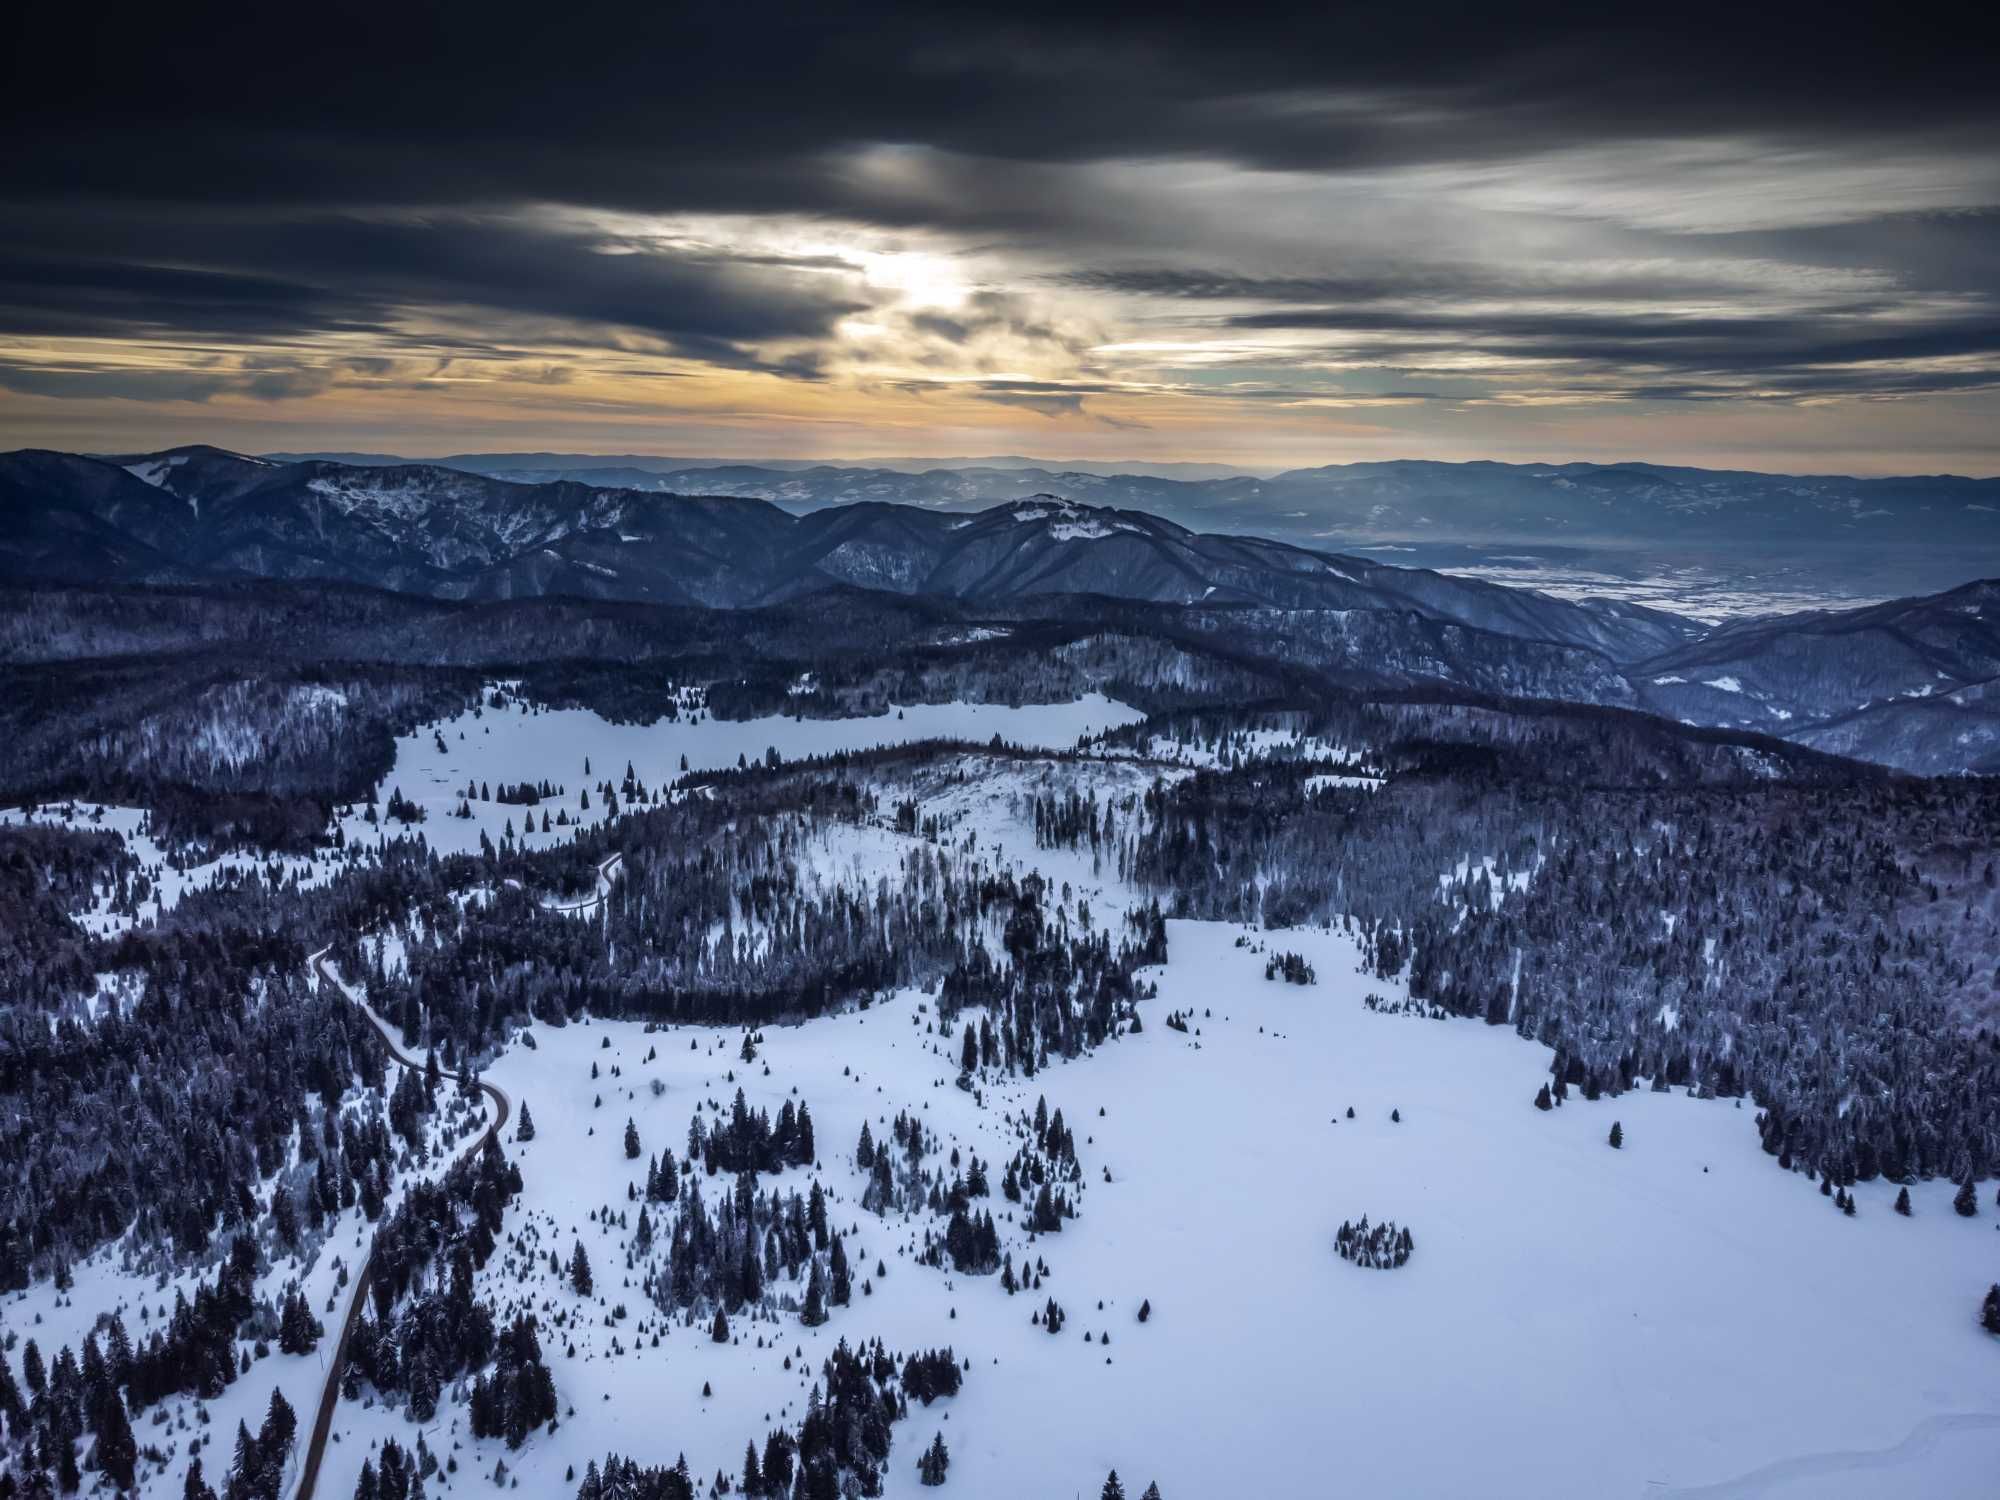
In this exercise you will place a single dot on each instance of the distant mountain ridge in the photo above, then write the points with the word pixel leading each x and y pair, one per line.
pixel 1915 683
pixel 569 465
pixel 1393 500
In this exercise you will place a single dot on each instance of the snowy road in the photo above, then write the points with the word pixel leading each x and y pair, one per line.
pixel 607 871
pixel 502 1106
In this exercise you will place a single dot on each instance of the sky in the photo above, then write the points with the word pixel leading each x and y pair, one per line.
pixel 1752 237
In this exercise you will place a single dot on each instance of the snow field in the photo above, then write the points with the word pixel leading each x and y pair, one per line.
pixel 1579 1320
pixel 519 743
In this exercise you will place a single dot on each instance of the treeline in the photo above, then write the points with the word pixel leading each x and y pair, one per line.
pixel 1818 948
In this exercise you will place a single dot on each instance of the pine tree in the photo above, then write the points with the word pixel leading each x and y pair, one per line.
pixel 525 1131
pixel 753 1476
pixel 933 1462
pixel 1989 1312
pixel 1966 1202
pixel 631 1140
pixel 579 1270
pixel 1617 1136
pixel 1152 1491
pixel 117 1450
pixel 198 1488
pixel 1112 1490
pixel 1903 1202
pixel 843 1282
pixel 719 1329
pixel 814 1312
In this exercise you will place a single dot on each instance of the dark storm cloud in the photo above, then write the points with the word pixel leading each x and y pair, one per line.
pixel 264 176
pixel 267 280
pixel 1930 252
pixel 1410 281
pixel 743 106
pixel 275 382
pixel 1799 353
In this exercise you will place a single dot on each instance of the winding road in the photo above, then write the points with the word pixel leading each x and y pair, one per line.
pixel 607 870
pixel 503 1107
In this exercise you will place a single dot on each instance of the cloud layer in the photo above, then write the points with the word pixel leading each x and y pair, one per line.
pixel 781 230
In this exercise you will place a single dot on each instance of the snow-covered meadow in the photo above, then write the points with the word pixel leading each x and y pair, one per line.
pixel 523 743
pixel 1673 1317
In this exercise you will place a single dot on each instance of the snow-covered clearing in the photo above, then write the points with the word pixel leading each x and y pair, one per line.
pixel 169 884
pixel 1583 1321
pixel 1242 747
pixel 520 743
pixel 1676 1317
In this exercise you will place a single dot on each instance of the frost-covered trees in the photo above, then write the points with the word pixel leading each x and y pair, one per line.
pixel 1799 911
pixel 521 1395
pixel 934 1462
pixel 298 1330
pixel 579 1270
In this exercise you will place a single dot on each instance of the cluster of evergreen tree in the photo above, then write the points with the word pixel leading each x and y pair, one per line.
pixel 65 1402
pixel 838 1449
pixel 521 1395
pixel 897 1177
pixel 1045 1174
pixel 259 1467
pixel 970 1240
pixel 428 1326
pixel 736 1256
pixel 934 1463
pixel 931 1374
pixel 520 793
pixel 1074 820
pixel 748 1141
pixel 195 1354
pixel 1378 1247
pixel 396 1473
pixel 1290 967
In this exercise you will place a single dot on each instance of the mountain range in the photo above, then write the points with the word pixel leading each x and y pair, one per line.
pixel 1913 684
pixel 1572 503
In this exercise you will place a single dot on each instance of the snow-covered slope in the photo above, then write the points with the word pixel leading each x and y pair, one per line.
pixel 1584 1321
